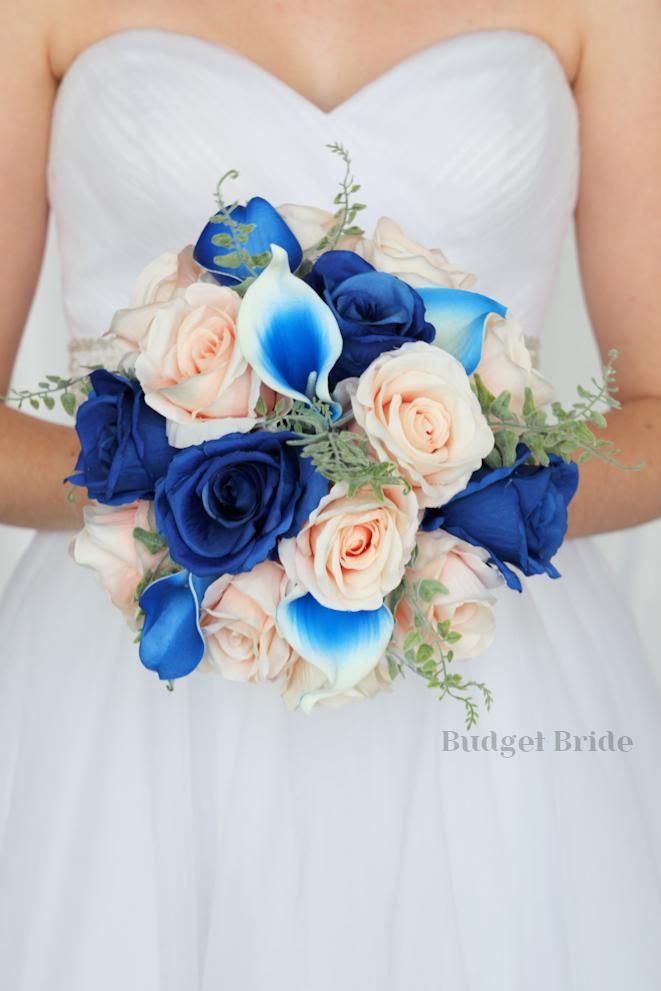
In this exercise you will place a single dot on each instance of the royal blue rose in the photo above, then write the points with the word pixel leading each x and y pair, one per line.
pixel 123 444
pixel 224 504
pixel 269 228
pixel 517 513
pixel 375 311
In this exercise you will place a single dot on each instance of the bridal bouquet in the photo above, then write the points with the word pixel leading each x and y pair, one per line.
pixel 318 457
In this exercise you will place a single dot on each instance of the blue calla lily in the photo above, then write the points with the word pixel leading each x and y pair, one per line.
pixel 345 646
pixel 459 318
pixel 172 642
pixel 269 228
pixel 288 334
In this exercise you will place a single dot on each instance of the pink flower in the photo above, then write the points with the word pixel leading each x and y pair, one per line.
pixel 106 544
pixel 391 251
pixel 238 620
pixel 417 407
pixel 310 224
pixel 192 370
pixel 468 604
pixel 353 549
pixel 506 364
pixel 167 276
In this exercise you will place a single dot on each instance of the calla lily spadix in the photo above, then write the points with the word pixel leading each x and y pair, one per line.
pixel 459 318
pixel 345 646
pixel 287 333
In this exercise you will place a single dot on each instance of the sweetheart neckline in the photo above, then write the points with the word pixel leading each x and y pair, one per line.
pixel 382 79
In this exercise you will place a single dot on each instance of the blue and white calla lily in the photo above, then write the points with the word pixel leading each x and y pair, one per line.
pixel 287 333
pixel 459 318
pixel 344 646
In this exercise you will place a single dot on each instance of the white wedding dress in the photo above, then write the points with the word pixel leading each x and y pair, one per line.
pixel 209 838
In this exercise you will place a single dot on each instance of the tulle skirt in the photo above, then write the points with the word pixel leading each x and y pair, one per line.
pixel 209 838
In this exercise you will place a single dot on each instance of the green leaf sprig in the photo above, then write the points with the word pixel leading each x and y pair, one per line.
pixel 236 239
pixel 53 386
pixel 347 207
pixel 339 455
pixel 571 430
pixel 428 650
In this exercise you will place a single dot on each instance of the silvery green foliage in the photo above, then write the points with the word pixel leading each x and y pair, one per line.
pixel 339 455
pixel 569 431
pixel 427 650
pixel 347 208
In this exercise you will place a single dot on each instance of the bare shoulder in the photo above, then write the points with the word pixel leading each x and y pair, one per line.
pixel 25 32
pixel 616 35
pixel 78 24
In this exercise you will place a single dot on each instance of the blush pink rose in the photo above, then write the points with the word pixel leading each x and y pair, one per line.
pixel 418 410
pixel 353 549
pixel 238 620
pixel 165 277
pixel 469 602
pixel 302 677
pixel 192 370
pixel 107 545
pixel 310 224
pixel 390 250
pixel 506 364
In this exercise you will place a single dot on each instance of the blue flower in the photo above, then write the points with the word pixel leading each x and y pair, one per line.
pixel 344 646
pixel 518 513
pixel 269 229
pixel 459 318
pixel 124 447
pixel 172 642
pixel 375 311
pixel 224 504
pixel 287 334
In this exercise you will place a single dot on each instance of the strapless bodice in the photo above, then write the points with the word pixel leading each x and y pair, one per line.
pixel 471 145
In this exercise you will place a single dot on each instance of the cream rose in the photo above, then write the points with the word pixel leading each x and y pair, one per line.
pixel 107 545
pixel 309 225
pixel 464 571
pixel 417 407
pixel 167 276
pixel 353 549
pixel 390 250
pixel 506 364
pixel 191 368
pixel 302 677
pixel 238 620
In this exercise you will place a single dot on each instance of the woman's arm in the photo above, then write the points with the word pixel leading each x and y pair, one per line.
pixel 34 455
pixel 619 239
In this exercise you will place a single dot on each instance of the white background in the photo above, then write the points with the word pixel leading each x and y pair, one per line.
pixel 569 355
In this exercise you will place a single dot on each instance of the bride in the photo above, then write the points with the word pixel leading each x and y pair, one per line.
pixel 210 838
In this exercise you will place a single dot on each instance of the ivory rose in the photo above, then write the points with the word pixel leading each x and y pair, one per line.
pixel 506 364
pixel 302 677
pixel 390 250
pixel 192 370
pixel 417 407
pixel 107 545
pixel 238 620
pixel 353 549
pixel 167 276
pixel 310 224
pixel 462 568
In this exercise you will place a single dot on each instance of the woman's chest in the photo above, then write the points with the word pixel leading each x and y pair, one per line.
pixel 325 52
